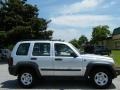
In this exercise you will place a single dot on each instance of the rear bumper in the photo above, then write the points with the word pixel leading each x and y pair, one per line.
pixel 12 70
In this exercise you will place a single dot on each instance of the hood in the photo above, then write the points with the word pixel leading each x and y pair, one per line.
pixel 97 57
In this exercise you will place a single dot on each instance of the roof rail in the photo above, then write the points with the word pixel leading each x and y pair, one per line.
pixel 57 40
pixel 42 40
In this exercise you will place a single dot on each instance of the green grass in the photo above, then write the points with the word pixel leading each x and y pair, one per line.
pixel 116 56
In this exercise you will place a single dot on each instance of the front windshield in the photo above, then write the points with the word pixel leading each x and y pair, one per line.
pixel 75 48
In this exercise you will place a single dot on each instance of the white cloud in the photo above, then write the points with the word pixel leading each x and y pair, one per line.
pixel 83 20
pixel 80 6
pixel 73 20
pixel 67 34
pixel 68 27
pixel 70 33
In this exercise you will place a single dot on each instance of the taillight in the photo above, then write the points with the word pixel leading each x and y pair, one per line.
pixel 10 61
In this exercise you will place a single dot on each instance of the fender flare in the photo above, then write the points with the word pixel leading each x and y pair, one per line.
pixel 28 64
pixel 107 65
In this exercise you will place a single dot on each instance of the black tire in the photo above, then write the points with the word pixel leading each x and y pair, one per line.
pixel 30 74
pixel 106 75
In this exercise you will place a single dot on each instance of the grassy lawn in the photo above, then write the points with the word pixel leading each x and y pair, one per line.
pixel 116 56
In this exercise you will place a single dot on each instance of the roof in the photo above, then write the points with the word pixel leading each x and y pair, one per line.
pixel 116 31
pixel 37 41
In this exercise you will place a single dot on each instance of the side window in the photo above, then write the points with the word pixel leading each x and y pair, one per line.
pixel 63 50
pixel 41 49
pixel 23 49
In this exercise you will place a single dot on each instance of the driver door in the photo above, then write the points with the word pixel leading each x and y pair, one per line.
pixel 64 63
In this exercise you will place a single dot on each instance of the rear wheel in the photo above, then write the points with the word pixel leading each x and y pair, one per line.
pixel 26 79
pixel 101 78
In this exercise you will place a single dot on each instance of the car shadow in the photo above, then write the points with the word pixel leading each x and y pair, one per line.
pixel 54 84
pixel 10 84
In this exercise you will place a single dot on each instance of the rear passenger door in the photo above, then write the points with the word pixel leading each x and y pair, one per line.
pixel 41 54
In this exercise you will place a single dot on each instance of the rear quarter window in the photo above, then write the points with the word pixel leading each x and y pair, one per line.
pixel 23 49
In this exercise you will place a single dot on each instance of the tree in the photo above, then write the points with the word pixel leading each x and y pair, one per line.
pixel 100 33
pixel 78 43
pixel 75 43
pixel 116 31
pixel 20 21
pixel 82 40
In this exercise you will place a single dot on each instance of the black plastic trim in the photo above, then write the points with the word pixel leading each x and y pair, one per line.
pixel 91 65
pixel 61 69
pixel 14 70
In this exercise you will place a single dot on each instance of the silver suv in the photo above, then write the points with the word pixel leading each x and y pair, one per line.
pixel 33 59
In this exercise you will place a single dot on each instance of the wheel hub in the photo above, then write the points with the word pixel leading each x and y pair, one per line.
pixel 26 78
pixel 101 78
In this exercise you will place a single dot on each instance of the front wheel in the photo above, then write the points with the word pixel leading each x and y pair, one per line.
pixel 26 79
pixel 102 78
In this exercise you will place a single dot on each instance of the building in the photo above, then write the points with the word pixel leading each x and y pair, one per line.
pixel 114 41
pixel 116 38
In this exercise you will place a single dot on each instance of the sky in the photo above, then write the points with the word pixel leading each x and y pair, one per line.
pixel 72 18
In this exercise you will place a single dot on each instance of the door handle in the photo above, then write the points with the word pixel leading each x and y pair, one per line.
pixel 58 59
pixel 33 58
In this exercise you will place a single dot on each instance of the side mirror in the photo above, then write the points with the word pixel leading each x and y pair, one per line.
pixel 73 55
